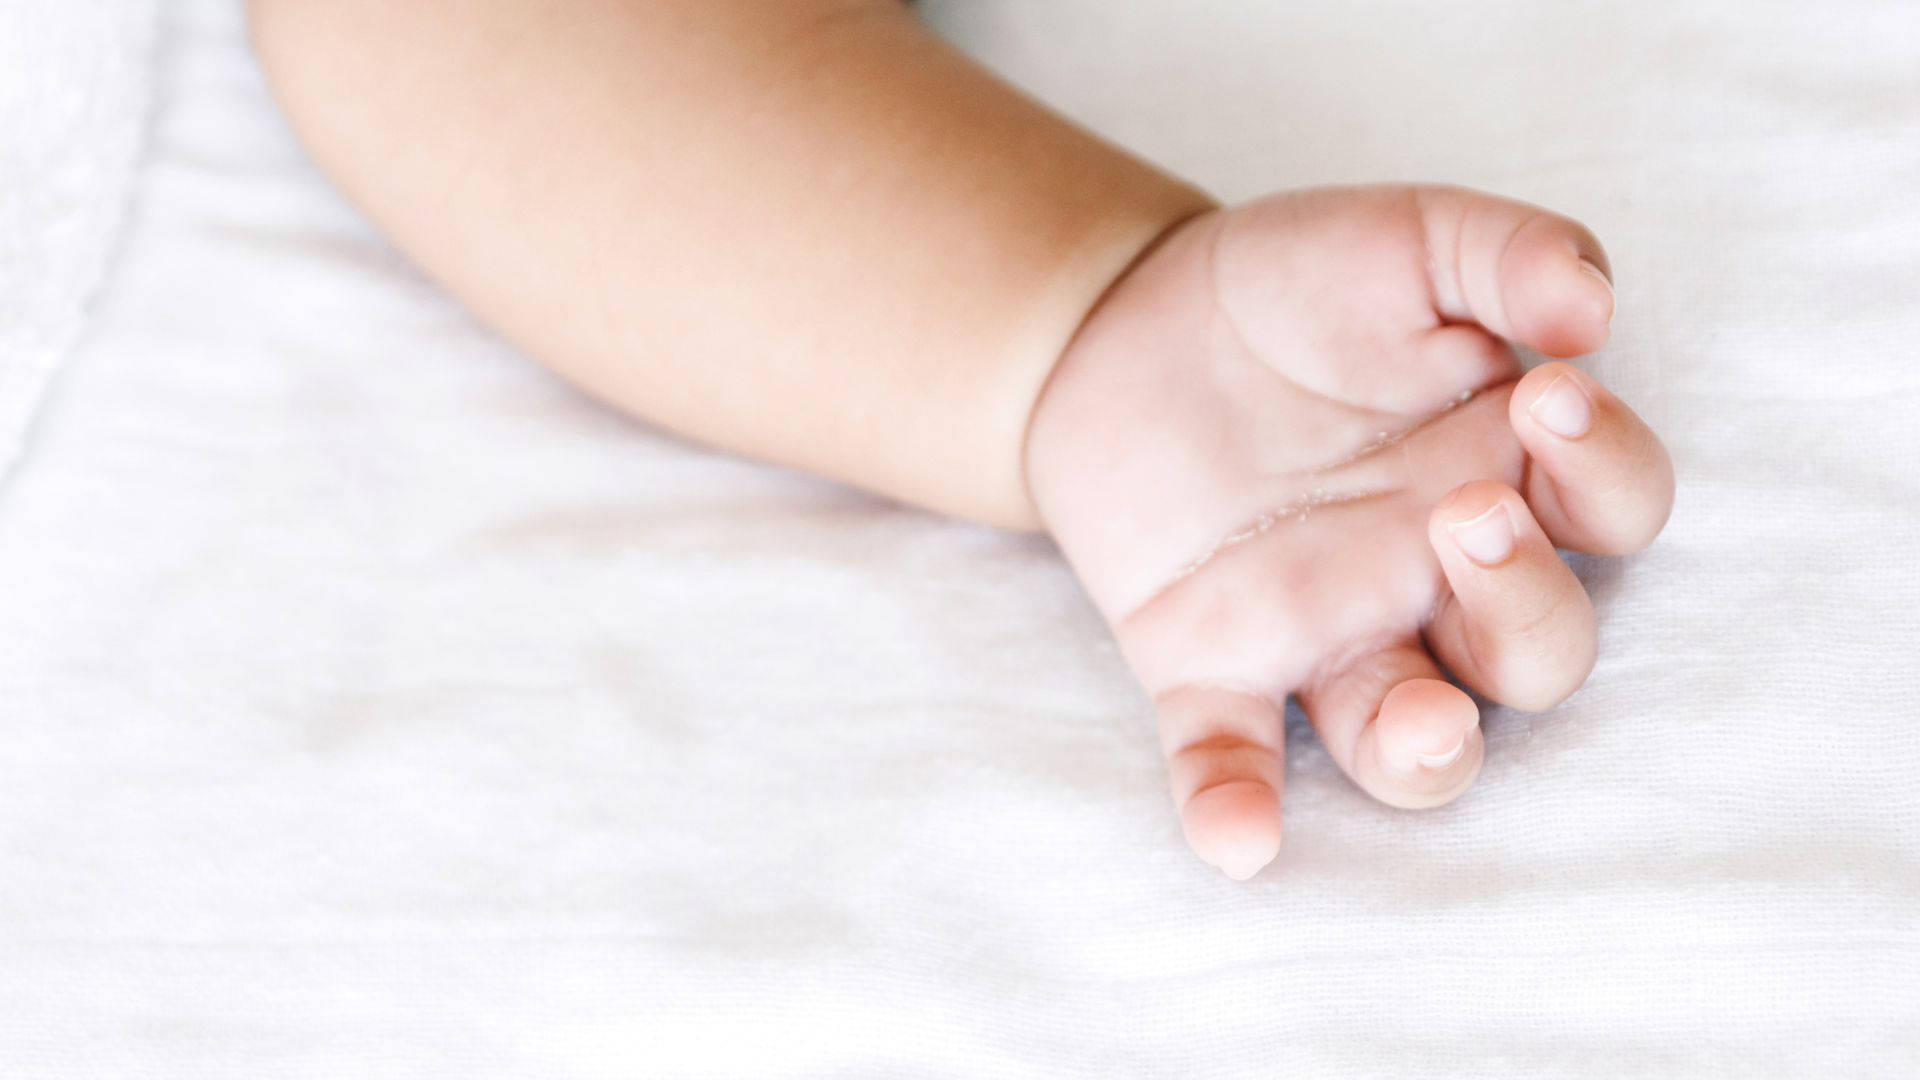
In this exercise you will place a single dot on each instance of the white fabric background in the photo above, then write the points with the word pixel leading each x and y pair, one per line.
pixel 75 84
pixel 375 706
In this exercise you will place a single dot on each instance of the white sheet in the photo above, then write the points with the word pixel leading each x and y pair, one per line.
pixel 377 707
pixel 76 82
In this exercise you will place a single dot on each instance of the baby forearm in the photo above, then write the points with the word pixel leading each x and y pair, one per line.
pixel 804 230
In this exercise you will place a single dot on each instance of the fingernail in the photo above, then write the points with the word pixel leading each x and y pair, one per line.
pixel 1593 271
pixel 1488 538
pixel 1441 761
pixel 1563 408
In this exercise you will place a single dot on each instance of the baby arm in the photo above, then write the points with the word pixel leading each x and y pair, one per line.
pixel 802 230
pixel 1287 447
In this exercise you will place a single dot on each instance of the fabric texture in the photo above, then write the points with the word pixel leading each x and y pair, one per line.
pixel 75 83
pixel 377 706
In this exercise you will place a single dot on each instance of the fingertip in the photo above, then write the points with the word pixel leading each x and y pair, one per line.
pixel 1556 398
pixel 1475 520
pixel 1600 479
pixel 1522 272
pixel 1600 291
pixel 1424 724
pixel 1566 293
pixel 1426 739
pixel 1234 826
pixel 1523 634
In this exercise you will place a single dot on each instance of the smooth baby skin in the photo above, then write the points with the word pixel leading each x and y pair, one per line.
pixel 803 230
pixel 1291 452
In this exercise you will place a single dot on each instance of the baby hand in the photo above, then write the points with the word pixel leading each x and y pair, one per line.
pixel 1291 452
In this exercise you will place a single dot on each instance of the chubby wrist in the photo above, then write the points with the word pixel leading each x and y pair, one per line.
pixel 1087 274
pixel 1079 409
